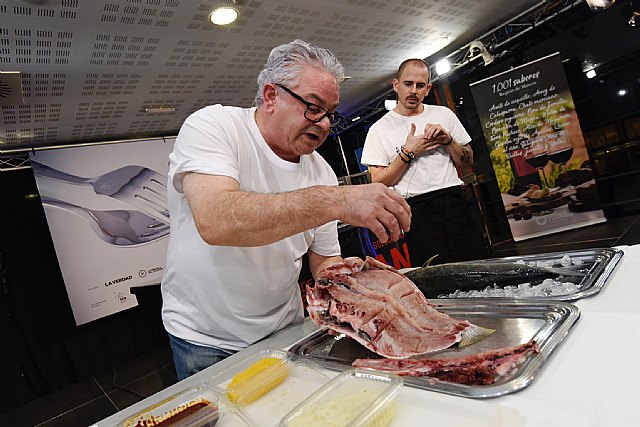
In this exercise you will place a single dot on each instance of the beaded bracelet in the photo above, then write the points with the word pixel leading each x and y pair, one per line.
pixel 410 155
pixel 402 158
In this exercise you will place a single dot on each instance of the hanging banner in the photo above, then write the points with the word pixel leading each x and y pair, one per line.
pixel 107 213
pixel 537 149
pixel 395 254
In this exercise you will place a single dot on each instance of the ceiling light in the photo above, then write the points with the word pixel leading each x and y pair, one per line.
pixel 443 66
pixel 223 15
pixel 622 92
pixel 355 119
pixel 390 104
pixel 160 109
pixel 591 73
pixel 598 5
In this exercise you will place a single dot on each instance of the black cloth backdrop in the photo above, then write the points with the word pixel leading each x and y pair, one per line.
pixel 42 350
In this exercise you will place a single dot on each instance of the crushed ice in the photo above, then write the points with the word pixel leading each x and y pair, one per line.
pixel 548 287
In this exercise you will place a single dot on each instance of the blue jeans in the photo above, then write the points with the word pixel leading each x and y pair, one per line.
pixel 190 358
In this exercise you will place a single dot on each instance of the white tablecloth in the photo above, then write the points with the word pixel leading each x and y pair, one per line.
pixel 590 380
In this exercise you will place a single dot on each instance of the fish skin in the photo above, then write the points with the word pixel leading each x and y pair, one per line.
pixel 435 280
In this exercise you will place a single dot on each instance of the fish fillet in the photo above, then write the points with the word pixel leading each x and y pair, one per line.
pixel 383 310
pixel 479 369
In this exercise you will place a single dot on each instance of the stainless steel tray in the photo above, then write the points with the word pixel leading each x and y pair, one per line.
pixel 515 323
pixel 598 264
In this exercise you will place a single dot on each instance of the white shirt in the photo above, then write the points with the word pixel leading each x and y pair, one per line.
pixel 230 297
pixel 428 172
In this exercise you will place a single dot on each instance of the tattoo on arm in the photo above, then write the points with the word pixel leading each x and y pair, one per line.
pixel 466 154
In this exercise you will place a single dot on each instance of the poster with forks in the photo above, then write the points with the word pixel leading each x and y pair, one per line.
pixel 107 213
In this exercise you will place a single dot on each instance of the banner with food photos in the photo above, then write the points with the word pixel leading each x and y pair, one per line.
pixel 537 149
pixel 107 213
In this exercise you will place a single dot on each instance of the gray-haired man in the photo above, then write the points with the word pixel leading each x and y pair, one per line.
pixel 248 197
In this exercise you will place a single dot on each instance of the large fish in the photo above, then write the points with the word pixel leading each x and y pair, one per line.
pixel 381 309
pixel 443 279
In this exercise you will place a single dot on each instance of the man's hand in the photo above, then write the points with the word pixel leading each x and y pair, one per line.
pixel 376 207
pixel 437 134
pixel 433 137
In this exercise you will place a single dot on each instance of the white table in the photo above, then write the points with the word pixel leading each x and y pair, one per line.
pixel 590 380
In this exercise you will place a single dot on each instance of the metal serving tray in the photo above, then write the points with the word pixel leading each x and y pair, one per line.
pixel 598 264
pixel 515 323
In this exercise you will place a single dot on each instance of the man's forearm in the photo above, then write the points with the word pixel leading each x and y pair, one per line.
pixel 390 174
pixel 462 155
pixel 224 215
pixel 239 218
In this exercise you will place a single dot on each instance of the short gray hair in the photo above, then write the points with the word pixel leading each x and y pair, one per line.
pixel 286 62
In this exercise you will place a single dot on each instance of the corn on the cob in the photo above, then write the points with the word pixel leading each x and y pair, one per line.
pixel 255 381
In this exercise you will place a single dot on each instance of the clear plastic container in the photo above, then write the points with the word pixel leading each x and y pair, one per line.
pixel 354 398
pixel 263 397
pixel 197 406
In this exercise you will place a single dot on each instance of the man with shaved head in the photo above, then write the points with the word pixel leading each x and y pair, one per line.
pixel 415 149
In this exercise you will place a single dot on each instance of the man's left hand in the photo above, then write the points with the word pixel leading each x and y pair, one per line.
pixel 435 133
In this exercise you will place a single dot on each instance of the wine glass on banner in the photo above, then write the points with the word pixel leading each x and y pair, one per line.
pixel 535 153
pixel 560 147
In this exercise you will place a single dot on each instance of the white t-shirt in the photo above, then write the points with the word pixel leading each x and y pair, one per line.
pixel 428 172
pixel 230 297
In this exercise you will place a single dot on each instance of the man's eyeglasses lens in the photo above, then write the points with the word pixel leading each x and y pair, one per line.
pixel 314 113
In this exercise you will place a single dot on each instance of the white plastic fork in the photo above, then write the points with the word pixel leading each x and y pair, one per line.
pixel 138 186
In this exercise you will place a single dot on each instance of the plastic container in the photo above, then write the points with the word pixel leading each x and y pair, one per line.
pixel 256 375
pixel 273 401
pixel 354 398
pixel 198 406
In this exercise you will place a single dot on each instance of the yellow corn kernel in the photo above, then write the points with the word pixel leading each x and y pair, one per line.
pixel 255 381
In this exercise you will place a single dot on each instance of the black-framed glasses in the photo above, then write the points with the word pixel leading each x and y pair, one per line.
pixel 314 113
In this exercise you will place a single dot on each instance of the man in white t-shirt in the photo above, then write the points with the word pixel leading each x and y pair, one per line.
pixel 248 197
pixel 415 149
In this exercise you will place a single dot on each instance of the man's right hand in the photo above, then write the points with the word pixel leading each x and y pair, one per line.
pixel 376 207
pixel 420 144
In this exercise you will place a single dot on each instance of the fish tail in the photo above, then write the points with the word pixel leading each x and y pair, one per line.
pixel 473 335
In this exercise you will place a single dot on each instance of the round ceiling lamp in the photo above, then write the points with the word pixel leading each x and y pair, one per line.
pixel 223 15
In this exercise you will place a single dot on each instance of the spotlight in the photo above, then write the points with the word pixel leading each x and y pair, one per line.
pixel 478 48
pixel 622 92
pixel 598 5
pixel 443 66
pixel 390 104
pixel 591 73
pixel 223 15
